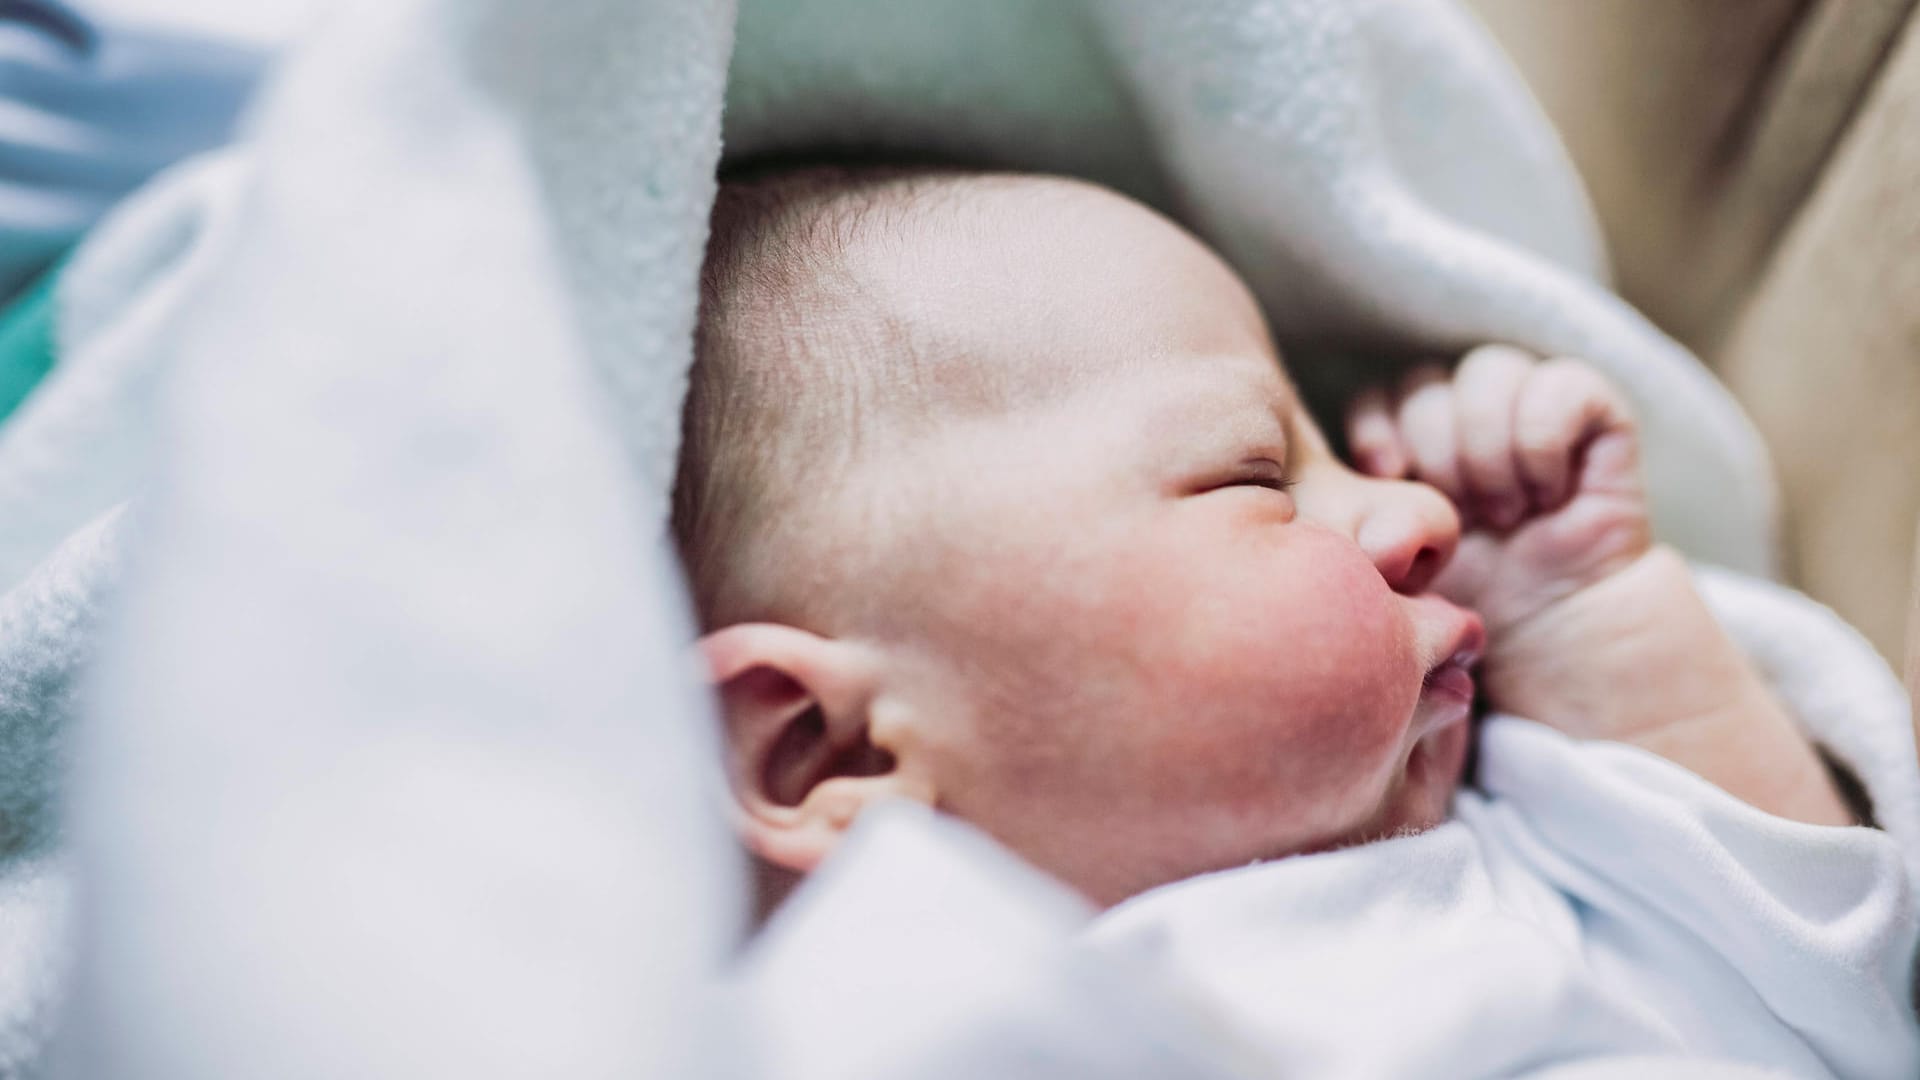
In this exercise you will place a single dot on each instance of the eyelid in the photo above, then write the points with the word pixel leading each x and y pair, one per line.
pixel 1265 472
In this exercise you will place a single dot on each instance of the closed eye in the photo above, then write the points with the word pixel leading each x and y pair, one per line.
pixel 1275 483
pixel 1263 473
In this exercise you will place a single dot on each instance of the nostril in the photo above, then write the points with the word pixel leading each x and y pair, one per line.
pixel 1409 544
pixel 1420 572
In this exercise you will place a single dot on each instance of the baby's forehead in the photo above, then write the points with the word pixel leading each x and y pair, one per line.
pixel 851 321
pixel 1036 287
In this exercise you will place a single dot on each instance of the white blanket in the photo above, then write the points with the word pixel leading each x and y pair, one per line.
pixel 1595 900
pixel 388 763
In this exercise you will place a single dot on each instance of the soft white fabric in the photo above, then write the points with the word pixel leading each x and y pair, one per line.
pixel 1840 689
pixel 390 767
pixel 924 950
pixel 53 618
pixel 35 913
pixel 82 441
pixel 1595 901
pixel 392 764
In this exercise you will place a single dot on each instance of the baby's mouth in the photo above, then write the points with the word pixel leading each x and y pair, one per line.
pixel 1451 680
pixel 1447 690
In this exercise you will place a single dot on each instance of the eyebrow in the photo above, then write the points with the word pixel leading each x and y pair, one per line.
pixel 1233 413
pixel 1285 408
pixel 1290 420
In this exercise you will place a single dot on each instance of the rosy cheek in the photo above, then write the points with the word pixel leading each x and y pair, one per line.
pixel 1339 662
pixel 1359 621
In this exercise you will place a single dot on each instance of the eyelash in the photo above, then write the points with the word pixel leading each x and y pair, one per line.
pixel 1283 482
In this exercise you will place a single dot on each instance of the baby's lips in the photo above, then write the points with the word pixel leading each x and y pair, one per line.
pixel 1451 680
pixel 1461 636
pixel 1472 642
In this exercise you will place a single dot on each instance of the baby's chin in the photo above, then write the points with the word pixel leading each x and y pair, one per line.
pixel 1431 776
pixel 1421 796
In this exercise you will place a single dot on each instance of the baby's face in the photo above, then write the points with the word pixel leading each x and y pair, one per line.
pixel 1140 654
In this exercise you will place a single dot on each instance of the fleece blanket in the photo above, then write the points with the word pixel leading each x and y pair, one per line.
pixel 383 755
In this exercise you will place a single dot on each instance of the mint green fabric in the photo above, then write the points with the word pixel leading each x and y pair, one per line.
pixel 26 342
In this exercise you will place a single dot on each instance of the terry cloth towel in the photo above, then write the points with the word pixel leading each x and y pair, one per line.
pixel 386 761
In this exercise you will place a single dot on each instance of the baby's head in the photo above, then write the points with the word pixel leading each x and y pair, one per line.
pixel 995 496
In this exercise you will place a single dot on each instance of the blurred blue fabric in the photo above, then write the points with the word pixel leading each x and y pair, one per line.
pixel 93 101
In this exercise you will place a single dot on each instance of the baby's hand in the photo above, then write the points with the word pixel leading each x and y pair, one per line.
pixel 1542 460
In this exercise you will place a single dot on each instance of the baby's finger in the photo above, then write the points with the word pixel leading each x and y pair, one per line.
pixel 1486 391
pixel 1563 405
pixel 1373 437
pixel 1426 430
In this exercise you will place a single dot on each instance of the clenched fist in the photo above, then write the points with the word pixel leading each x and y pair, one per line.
pixel 1540 457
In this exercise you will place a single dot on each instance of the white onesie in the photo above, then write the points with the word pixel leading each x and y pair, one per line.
pixel 1590 900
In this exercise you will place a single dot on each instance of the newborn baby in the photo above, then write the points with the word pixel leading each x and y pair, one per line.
pixel 995 496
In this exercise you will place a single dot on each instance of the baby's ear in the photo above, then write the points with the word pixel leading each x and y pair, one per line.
pixel 796 712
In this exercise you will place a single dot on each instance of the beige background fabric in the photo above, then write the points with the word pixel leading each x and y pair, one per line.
pixel 1756 165
pixel 1646 92
pixel 1826 356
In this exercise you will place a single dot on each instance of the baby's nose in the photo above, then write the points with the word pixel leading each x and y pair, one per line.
pixel 1409 531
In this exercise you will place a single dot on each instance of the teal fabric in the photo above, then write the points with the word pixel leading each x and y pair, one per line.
pixel 26 342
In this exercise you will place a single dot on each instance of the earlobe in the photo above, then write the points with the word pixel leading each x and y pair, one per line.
pixel 797 713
